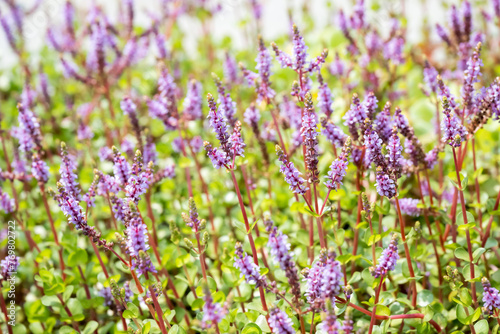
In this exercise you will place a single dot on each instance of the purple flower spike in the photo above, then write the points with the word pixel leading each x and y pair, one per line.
pixel 409 206
pixel 471 76
pixel 219 158
pixel 121 167
pixel 402 124
pixel 394 156
pixel 355 117
pixel 371 105
pixel 251 115
pixel 68 177
pixel 309 135
pixel 333 133
pixel 7 204
pixel 226 105
pixel 373 145
pixel 430 77
pixel 193 101
pixel 279 322
pixel 431 158
pixel 299 49
pixel 71 209
pixel 29 130
pixel 388 259
pixel 218 125
pixel 8 266
pixel 236 142
pixel 330 324
pixel 280 251
pixel 39 169
pixel 263 66
pixel 339 167
pixel 454 133
pixel 385 184
pixel 383 123
pixel 248 268
pixel 331 279
pixel 491 297
pixel 292 175
pixel 325 97
pixel 230 68
pixel 137 237
pixel 213 312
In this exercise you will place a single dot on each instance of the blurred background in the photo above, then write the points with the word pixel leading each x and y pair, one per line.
pixel 230 16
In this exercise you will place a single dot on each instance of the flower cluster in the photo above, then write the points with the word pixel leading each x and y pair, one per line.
pixel 291 173
pixel 388 259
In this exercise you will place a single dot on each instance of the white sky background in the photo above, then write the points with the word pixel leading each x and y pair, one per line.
pixel 275 20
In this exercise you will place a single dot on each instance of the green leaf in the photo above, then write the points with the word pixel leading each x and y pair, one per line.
pixel 176 329
pixel 383 310
pixel 78 257
pixel 373 239
pixel 462 254
pixel 482 327
pixel 251 328
pixel 133 308
pixel 355 277
pixel 90 327
pixel 461 315
pixel 424 298
pixel 185 162
pixel 465 297
pixel 127 314
pixel 146 328
pixel 477 253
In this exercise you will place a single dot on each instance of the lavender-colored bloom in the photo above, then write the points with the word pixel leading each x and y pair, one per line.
pixel 330 324
pixel 393 50
pixel 309 134
pixel 177 144
pixel 68 177
pixel 251 115
pixel 347 326
pixel 138 185
pixel 280 251
pixel 248 268
pixel 8 32
pixel 338 167
pixel 373 145
pixel 325 97
pixel 299 50
pixel 313 279
pixel 431 158
pixel 264 68
pixel 107 184
pixel 108 297
pixel 192 220
pixel 394 156
pixel 84 132
pixel 160 44
pixel 218 157
pixel 409 206
pixel 443 34
pixel 7 204
pixel 333 133
pixel 39 169
pixel 383 123
pixel 236 142
pixel 471 76
pixel 28 96
pixel 388 259
pixel 401 123
pixel 230 68
pixel 337 67
pixel 226 105
pixel 454 133
pixel 444 92
pixel 331 279
pixel 355 117
pixel 121 167
pixel 150 154
pixel 491 297
pixel 279 322
pixel 430 77
pixel 218 125
pixel 213 312
pixel 284 59
pixel 196 144
pixel 105 153
pixel 193 101
pixel 137 237
pixel 292 175
pixel 385 184
pixel 370 103
pixel 8 266
pixel 72 210
pixel 29 129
